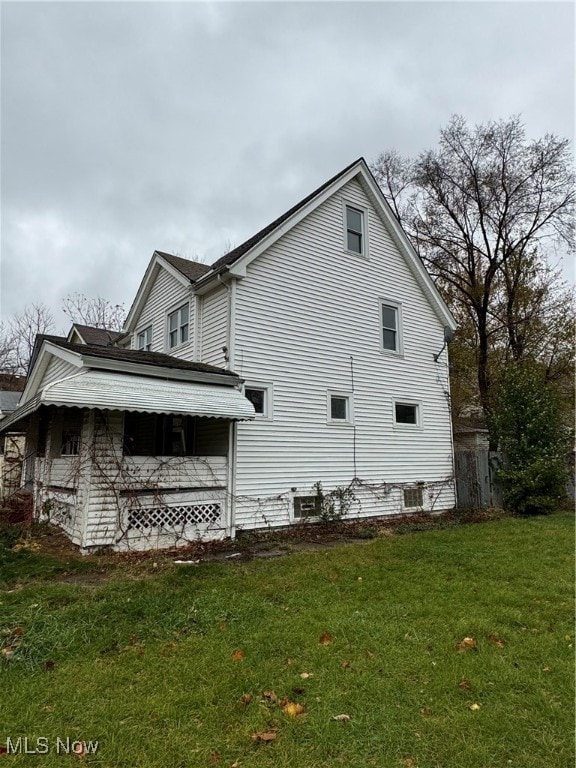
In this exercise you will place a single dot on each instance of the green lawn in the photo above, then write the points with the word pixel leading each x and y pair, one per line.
pixel 154 663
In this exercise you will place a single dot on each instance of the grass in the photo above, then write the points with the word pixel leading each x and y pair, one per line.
pixel 146 661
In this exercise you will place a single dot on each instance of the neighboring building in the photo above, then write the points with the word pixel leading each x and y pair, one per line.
pixel 12 447
pixel 335 332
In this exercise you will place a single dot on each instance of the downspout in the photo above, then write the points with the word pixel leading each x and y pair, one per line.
pixel 233 430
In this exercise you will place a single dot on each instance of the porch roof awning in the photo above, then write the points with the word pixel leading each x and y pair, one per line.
pixel 110 391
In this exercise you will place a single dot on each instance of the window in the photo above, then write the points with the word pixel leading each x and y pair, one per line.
pixel 339 408
pixel 307 506
pixel 390 327
pixel 71 430
pixel 354 230
pixel 144 339
pixel 407 413
pixel 158 434
pixel 413 497
pixel 260 395
pixel 178 326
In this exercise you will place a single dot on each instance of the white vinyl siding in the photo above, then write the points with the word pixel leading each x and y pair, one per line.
pixel 302 340
pixel 166 294
pixel 214 327
pixel 58 369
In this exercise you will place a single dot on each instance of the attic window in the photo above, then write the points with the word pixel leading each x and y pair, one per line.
pixel 178 326
pixel 354 230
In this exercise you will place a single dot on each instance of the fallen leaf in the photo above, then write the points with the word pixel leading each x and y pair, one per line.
pixel 547 669
pixel 133 639
pixel 246 698
pixel 17 631
pixel 343 718
pixel 3 749
pixel 474 707
pixel 345 665
pixel 222 626
pixel 270 696
pixel 49 665
pixel 408 762
pixel 264 736
pixel 292 709
pixel 289 662
pixel 235 764
pixel 238 655
pixel 495 640
pixel 215 758
pixel 426 711
pixel 306 675
pixel 467 644
pixel 465 684
pixel 7 652
pixel 325 638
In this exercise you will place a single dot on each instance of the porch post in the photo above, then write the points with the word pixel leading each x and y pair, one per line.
pixel 231 490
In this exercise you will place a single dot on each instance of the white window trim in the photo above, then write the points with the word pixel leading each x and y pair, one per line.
pixel 268 388
pixel 307 518
pixel 139 333
pixel 399 352
pixel 407 401
pixel 170 311
pixel 349 396
pixel 365 229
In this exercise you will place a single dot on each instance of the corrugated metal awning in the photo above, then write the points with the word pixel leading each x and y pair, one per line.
pixel 110 391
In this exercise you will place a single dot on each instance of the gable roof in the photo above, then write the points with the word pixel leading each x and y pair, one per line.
pixel 186 271
pixel 236 253
pixel 90 335
pixel 236 261
pixel 193 270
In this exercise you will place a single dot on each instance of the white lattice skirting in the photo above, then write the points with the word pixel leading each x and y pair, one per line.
pixel 172 518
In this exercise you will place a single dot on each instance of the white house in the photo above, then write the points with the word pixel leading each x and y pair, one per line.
pixel 319 345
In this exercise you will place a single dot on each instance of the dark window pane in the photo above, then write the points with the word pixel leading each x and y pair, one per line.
pixel 389 317
pixel 184 333
pixel 353 220
pixel 256 397
pixel 152 434
pixel 406 414
pixel 184 314
pixel 389 339
pixel 354 242
pixel 338 408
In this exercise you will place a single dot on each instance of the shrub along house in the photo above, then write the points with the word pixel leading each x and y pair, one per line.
pixel 336 335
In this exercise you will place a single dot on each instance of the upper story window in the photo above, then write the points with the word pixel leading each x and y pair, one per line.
pixel 391 326
pixel 144 339
pixel 178 325
pixel 355 230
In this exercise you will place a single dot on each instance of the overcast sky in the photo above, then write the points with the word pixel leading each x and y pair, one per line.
pixel 186 127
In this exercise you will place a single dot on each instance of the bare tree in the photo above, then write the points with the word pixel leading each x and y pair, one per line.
pixel 98 312
pixel 17 337
pixel 480 211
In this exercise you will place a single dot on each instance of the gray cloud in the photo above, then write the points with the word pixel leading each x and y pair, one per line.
pixel 187 126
